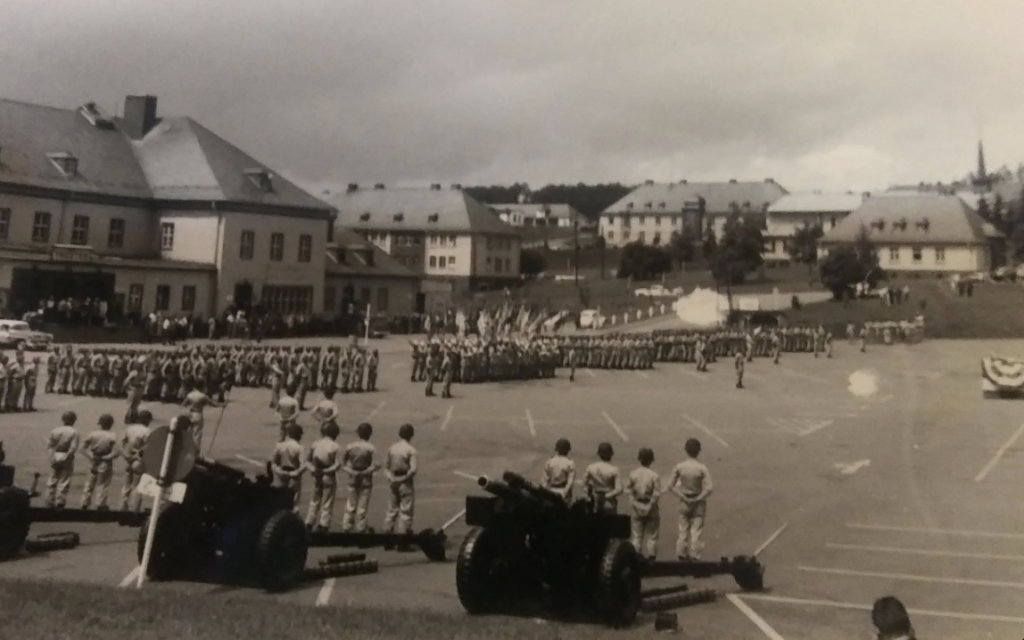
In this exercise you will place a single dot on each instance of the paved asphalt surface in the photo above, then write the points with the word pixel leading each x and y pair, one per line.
pixel 909 492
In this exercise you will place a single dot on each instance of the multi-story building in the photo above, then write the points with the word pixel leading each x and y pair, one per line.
pixel 919 232
pixel 455 242
pixel 650 214
pixel 149 214
pixel 359 273
pixel 791 212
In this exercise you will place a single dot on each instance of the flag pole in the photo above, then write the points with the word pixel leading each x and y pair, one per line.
pixel 366 341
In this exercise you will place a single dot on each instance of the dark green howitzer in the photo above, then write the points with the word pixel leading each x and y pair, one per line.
pixel 528 546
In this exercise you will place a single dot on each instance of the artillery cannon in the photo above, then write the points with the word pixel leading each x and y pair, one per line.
pixel 229 529
pixel 527 543
pixel 745 570
pixel 17 516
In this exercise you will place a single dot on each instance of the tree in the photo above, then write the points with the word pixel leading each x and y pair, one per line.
pixel 739 252
pixel 683 246
pixel 841 270
pixel 984 212
pixel 641 262
pixel 709 243
pixel 867 254
pixel 532 263
pixel 803 246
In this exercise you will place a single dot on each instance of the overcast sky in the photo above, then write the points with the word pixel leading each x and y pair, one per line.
pixel 818 94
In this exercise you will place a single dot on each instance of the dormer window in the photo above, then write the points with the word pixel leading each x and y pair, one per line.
pixel 399 217
pixel 368 257
pixel 923 224
pixel 261 178
pixel 364 217
pixel 629 206
pixel 661 205
pixel 879 224
pixel 434 217
pixel 900 224
pixel 66 163
pixel 648 205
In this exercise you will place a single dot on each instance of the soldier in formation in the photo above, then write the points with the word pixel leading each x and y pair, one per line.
pixel 19 378
pixel 450 359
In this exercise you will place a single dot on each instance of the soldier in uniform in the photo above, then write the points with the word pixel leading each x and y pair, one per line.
pixel 100 447
pixel 195 402
pixel 51 370
pixel 372 362
pixel 644 489
pixel 288 462
pixel 287 412
pixel 326 411
pixel 302 377
pixel 400 470
pixel 358 362
pixel 739 368
pixel 15 381
pixel 61 448
pixel 323 462
pixel 447 371
pixel 31 382
pixel 571 357
pixel 864 338
pixel 560 471
pixel 602 481
pixel 132 445
pixel 433 368
pixel 360 466
pixel 776 347
pixel 691 482
pixel 276 381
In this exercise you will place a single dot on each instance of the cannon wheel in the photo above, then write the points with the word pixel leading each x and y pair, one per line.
pixel 433 545
pixel 748 574
pixel 281 551
pixel 476 582
pixel 618 584
pixel 171 552
pixel 15 520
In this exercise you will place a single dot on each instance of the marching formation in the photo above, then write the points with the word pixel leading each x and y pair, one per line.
pixel 471 360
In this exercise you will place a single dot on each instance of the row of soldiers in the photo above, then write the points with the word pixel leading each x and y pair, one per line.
pixel 19 378
pixel 166 375
pixel 474 360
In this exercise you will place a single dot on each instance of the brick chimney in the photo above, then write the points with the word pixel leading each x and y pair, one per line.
pixel 139 116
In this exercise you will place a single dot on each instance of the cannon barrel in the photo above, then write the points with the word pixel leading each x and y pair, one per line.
pixel 520 483
pixel 220 469
pixel 502 490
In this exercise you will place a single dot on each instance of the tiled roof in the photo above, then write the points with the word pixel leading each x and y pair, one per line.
pixel 816 203
pixel 106 163
pixel 179 159
pixel 718 197
pixel 356 265
pixel 930 219
pixel 417 209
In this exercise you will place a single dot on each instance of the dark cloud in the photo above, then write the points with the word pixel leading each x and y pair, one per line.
pixel 823 94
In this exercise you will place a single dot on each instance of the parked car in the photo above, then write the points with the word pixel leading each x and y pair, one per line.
pixel 16 332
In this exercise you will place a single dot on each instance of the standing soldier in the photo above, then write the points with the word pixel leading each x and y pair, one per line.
pixel 134 384
pixel 302 378
pixel 560 471
pixel 64 371
pixel 287 412
pixel 850 333
pixel 326 411
pixel 701 354
pixel 329 369
pixel 15 381
pixel 691 482
pixel 447 371
pixel 31 382
pixel 739 368
pixel 323 462
pixel 572 363
pixel 276 380
pixel 864 338
pixel 644 487
pixel 100 447
pixel 195 402
pixel 51 370
pixel 371 370
pixel 828 343
pixel 602 481
pixel 289 463
pixel 60 449
pixel 400 470
pixel 132 444
pixel 776 347
pixel 358 463
pixel 433 368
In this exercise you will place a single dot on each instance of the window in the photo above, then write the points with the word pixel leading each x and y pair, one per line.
pixel 894 254
pixel 625 221
pixel 497 265
pixel 284 299
pixel 433 261
pixel 611 235
pixel 940 255
pixel 641 220
pixel 80 230
pixel 832 222
pixel 657 238
pixel 451 239
pixel 916 254
pixel 163 297
pixel 490 264
pixel 5 223
pixel 305 247
pixel 41 227
pixel 382 299
pixel 508 265
pixel 451 261
pixel 115 236
pixel 640 237
pixel 416 240
pixel 490 243
pixel 277 247
pixel 330 296
pixel 365 296
pixel 247 245
pixel 440 262
pixel 433 241
pixel 188 298
pixel 167 236
pixel 135 297
pixel 657 220
pixel 625 234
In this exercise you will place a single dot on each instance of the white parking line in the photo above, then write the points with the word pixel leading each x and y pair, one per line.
pixel 706 430
pixel 375 411
pixel 945 532
pixel 529 421
pixel 925 552
pixel 756 619
pixel 447 418
pixel 130 578
pixel 770 540
pixel 617 428
pixel 590 373
pixel 468 476
pixel 999 454
pixel 984 617
pixel 324 597
pixel 255 463
pixel 910 577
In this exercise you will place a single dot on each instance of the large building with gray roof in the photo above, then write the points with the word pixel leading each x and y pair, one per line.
pixel 920 232
pixel 443 233
pixel 160 214
pixel 651 213
pixel 796 210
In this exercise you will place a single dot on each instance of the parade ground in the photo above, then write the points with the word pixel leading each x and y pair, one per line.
pixel 906 492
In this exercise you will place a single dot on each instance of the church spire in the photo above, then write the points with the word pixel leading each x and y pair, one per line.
pixel 982 181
